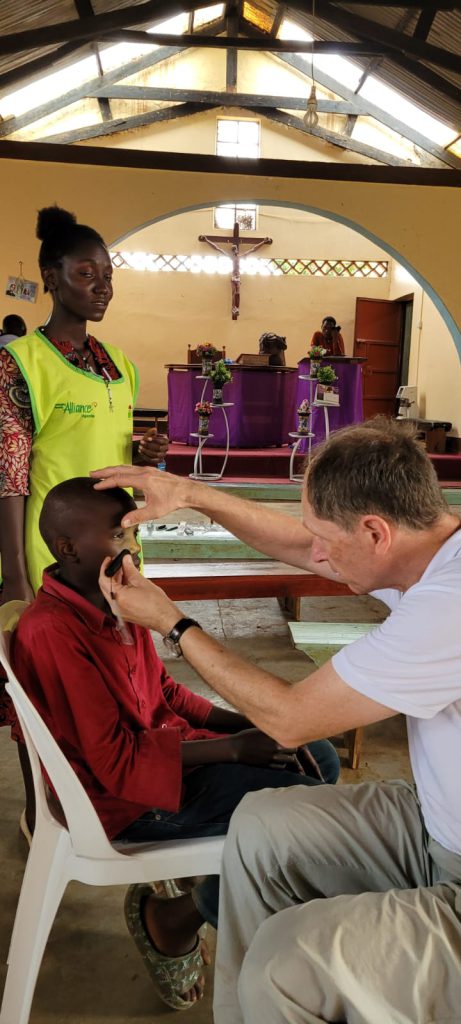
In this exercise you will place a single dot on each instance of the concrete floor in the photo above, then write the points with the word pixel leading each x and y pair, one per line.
pixel 91 972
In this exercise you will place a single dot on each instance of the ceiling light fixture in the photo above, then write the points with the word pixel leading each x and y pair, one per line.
pixel 311 117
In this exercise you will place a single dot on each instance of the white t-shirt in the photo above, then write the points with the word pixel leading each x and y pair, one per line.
pixel 412 663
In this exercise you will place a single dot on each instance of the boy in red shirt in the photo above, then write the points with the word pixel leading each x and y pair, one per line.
pixel 157 761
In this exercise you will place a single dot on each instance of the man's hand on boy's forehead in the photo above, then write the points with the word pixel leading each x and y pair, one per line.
pixel 163 491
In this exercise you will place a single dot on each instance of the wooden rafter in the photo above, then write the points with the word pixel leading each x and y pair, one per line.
pixel 364 28
pixel 84 9
pixel 367 109
pixel 334 138
pixel 124 124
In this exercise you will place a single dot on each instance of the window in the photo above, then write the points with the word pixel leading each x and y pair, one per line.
pixel 237 138
pixel 250 265
pixel 232 213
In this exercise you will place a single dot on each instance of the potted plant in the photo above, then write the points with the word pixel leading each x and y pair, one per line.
pixel 315 354
pixel 304 411
pixel 220 375
pixel 204 410
pixel 206 352
pixel 326 393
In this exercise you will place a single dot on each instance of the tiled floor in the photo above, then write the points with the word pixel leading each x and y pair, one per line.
pixel 91 972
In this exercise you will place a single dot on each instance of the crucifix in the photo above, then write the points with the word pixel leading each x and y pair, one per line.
pixel 235 241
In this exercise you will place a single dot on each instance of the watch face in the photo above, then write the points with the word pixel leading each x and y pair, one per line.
pixel 172 646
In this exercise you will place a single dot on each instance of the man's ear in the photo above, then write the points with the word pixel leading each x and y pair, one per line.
pixel 379 532
pixel 65 550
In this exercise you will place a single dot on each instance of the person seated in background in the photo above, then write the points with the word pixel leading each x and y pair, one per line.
pixel 329 337
pixel 157 761
pixel 273 345
pixel 13 327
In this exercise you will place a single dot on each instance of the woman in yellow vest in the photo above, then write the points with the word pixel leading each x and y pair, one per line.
pixel 66 402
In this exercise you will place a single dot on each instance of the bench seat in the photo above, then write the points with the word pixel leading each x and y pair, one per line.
pixel 213 581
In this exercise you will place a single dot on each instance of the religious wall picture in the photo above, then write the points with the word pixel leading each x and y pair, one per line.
pixel 19 288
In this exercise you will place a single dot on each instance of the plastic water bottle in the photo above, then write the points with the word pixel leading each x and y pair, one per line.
pixel 161 465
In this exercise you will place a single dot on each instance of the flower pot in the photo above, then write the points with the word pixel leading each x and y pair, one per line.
pixel 203 422
pixel 207 366
pixel 303 424
pixel 217 396
pixel 314 368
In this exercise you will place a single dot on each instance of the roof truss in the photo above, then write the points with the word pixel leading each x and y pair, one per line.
pixel 373 40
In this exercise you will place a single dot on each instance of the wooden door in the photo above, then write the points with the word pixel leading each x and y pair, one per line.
pixel 378 337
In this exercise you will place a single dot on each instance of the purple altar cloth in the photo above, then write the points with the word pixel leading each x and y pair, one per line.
pixel 350 408
pixel 263 412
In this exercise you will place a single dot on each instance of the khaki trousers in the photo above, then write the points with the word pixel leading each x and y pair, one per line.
pixel 336 906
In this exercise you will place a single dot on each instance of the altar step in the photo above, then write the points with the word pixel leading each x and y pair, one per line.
pixel 267 465
pixel 263 464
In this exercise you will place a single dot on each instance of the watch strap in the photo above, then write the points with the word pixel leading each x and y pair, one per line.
pixel 176 633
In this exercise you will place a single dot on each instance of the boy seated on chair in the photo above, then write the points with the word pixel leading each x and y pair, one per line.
pixel 157 761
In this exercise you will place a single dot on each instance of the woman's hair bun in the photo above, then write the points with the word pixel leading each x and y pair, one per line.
pixel 53 220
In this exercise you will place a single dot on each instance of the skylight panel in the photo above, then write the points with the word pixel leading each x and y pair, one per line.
pixel 456 148
pixel 335 66
pixel 48 88
pixel 208 14
pixel 404 110
pixel 175 26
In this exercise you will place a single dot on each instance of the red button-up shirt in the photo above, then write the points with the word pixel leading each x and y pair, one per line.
pixel 113 709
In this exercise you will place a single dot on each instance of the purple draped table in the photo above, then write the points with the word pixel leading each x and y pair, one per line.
pixel 262 414
pixel 349 384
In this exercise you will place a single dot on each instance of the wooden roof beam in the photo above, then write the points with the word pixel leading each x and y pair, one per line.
pixel 121 124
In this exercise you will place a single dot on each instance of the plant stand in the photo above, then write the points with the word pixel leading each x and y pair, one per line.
pixel 314 403
pixel 198 473
pixel 296 477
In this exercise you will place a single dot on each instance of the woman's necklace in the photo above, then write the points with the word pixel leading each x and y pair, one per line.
pixel 79 356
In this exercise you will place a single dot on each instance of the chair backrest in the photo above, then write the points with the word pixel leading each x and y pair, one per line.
pixel 192 356
pixel 86 832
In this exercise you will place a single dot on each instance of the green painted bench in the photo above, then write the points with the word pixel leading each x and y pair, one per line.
pixel 320 641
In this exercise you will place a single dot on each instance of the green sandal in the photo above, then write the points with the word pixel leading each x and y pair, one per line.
pixel 171 975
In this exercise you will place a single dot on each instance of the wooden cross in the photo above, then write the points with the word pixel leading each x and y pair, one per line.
pixel 235 241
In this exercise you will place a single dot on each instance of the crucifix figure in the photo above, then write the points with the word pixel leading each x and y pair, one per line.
pixel 235 241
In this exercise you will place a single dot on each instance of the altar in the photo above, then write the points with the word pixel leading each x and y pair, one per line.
pixel 262 402
pixel 261 415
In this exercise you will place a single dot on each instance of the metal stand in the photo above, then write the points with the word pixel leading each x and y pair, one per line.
pixel 198 473
pixel 297 476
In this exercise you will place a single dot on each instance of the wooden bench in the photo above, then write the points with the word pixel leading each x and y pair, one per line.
pixel 203 580
pixel 320 641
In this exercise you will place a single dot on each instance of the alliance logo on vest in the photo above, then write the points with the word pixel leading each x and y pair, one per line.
pixel 84 409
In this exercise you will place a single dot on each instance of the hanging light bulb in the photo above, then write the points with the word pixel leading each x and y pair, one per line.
pixel 311 117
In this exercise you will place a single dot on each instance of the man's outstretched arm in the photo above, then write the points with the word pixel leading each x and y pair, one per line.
pixel 275 534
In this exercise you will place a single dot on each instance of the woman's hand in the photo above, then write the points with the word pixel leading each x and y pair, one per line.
pixel 163 492
pixel 134 598
pixel 152 448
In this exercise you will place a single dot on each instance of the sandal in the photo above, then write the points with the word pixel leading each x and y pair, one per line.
pixel 171 975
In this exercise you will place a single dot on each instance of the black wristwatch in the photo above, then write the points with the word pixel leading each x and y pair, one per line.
pixel 171 640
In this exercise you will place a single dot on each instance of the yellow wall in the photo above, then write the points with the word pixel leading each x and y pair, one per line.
pixel 414 221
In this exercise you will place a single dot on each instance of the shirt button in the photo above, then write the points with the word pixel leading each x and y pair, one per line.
pixel 164 726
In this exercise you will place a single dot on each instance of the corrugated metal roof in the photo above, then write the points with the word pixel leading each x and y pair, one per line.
pixel 445 32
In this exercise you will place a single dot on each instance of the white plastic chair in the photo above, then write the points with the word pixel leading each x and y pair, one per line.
pixel 81 852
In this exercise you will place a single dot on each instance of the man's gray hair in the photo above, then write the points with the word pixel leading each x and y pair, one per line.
pixel 377 467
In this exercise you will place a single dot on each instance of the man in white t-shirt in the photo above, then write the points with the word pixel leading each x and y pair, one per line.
pixel 342 904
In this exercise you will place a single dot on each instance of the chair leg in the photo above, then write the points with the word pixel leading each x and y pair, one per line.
pixel 291 605
pixel 354 745
pixel 42 889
